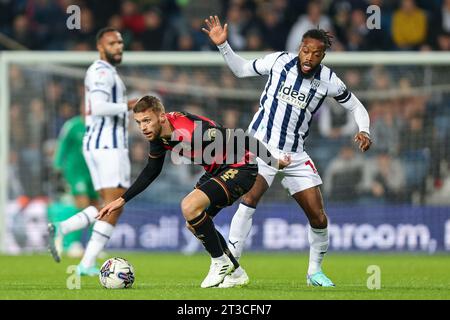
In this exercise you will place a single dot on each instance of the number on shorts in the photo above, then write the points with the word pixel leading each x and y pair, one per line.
pixel 309 163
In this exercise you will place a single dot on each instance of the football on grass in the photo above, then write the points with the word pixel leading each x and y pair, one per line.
pixel 116 273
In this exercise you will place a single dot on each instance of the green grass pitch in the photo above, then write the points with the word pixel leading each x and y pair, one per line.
pixel 273 276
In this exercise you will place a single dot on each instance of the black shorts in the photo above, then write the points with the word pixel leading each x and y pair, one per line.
pixel 224 188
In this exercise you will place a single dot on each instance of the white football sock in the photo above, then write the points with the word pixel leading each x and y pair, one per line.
pixel 100 235
pixel 79 221
pixel 241 225
pixel 318 241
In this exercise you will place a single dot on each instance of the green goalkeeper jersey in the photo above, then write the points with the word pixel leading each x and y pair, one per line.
pixel 69 153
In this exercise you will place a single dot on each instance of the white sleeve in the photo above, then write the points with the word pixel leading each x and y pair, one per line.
pixel 359 112
pixel 349 101
pixel 101 107
pixel 101 83
pixel 247 68
pixel 325 120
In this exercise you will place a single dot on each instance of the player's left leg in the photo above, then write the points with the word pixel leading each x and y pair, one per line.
pixel 312 204
pixel 110 172
pixel 302 181
pixel 217 192
pixel 194 207
pixel 101 232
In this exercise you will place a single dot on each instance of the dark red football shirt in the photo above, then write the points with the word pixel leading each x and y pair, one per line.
pixel 191 138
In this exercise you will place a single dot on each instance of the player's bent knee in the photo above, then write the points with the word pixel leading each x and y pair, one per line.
pixel 319 221
pixel 250 200
pixel 190 208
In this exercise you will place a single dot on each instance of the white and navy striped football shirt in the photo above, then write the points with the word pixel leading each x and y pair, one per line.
pixel 105 131
pixel 289 101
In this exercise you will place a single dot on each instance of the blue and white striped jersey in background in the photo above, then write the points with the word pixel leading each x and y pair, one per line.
pixel 289 101
pixel 105 131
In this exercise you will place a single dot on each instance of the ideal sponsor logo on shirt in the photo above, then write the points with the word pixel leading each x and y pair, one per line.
pixel 293 97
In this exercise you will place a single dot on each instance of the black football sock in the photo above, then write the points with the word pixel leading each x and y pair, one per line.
pixel 226 250
pixel 206 233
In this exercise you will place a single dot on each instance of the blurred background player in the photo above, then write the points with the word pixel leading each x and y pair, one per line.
pixel 69 161
pixel 295 90
pixel 105 148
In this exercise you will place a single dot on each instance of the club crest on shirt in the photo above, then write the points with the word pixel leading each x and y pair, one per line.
pixel 315 84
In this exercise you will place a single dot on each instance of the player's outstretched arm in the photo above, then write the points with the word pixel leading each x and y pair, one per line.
pixel 350 102
pixel 145 178
pixel 239 66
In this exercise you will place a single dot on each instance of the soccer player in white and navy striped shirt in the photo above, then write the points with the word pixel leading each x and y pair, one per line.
pixel 296 87
pixel 105 147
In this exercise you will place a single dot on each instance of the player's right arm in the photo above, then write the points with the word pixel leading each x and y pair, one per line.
pixel 239 66
pixel 101 84
pixel 145 178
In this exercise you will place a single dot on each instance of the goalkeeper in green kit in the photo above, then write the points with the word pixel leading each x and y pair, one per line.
pixel 69 161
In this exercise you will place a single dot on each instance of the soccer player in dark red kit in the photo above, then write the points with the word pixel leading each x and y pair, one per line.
pixel 228 157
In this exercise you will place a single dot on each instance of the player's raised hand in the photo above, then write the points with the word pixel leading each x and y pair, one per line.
pixel 214 30
pixel 364 140
pixel 110 208
pixel 284 161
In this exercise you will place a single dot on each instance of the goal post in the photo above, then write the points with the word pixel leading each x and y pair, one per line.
pixel 177 75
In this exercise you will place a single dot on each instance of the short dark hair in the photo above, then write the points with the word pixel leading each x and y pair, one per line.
pixel 148 103
pixel 319 34
pixel 102 31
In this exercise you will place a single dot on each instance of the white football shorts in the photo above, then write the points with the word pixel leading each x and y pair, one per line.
pixel 109 168
pixel 300 175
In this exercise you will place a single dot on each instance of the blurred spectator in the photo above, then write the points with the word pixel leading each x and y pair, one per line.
pixel 153 35
pixel 254 40
pixel 312 20
pixel 357 32
pixel 132 18
pixel 15 187
pixel 343 175
pixel 21 32
pixel 380 39
pixel 185 42
pixel 336 126
pixel 352 78
pixel 445 19
pixel 116 22
pixel 200 41
pixel 230 118
pixel 88 31
pixel 138 156
pixel 6 15
pixel 443 42
pixel 340 14
pixel 409 26
pixel 336 122
pixel 236 26
pixel 383 179
pixel 48 21
pixel 273 27
pixel 416 148
pixel 440 27
pixel 385 129
pixel 103 10
pixel 18 135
